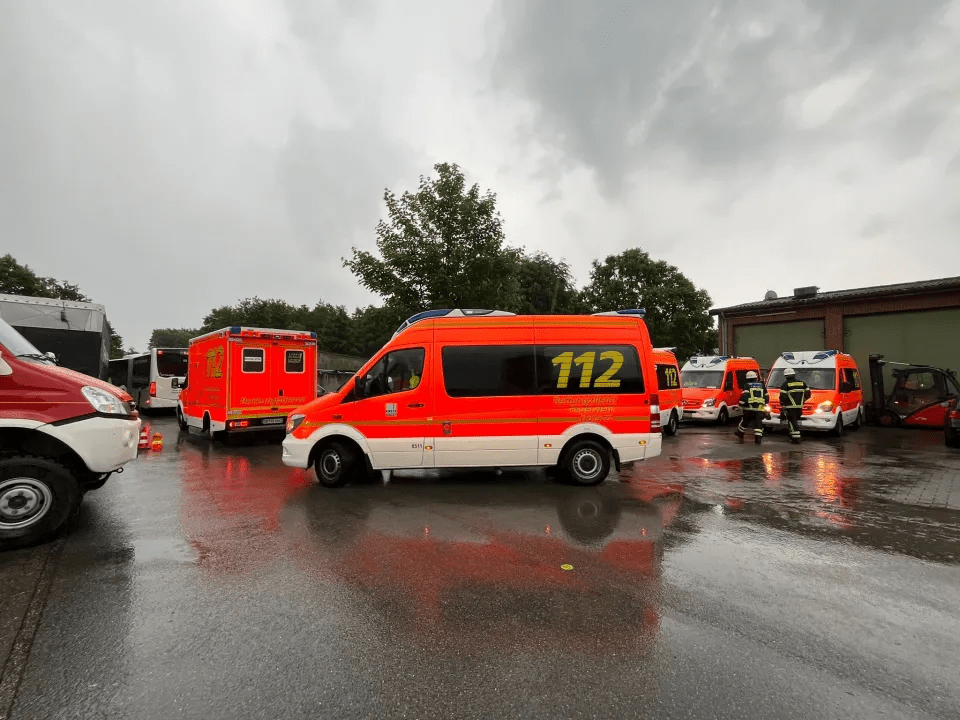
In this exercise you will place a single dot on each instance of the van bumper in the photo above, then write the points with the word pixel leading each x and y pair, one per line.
pixel 630 449
pixel 702 414
pixel 104 444
pixel 158 403
pixel 296 452
pixel 815 421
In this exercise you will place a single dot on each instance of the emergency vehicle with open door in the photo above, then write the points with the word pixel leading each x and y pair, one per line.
pixel 712 385
pixel 836 390
pixel 247 379
pixel 670 392
pixel 575 392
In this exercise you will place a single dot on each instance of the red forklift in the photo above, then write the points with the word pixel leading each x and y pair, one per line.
pixel 922 396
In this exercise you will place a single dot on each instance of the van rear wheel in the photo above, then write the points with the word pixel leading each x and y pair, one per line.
pixel 334 465
pixel 587 463
pixel 673 424
pixel 37 497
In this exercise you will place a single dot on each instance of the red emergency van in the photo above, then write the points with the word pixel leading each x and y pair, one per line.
pixel 712 385
pixel 490 391
pixel 669 390
pixel 61 433
pixel 836 392
pixel 247 379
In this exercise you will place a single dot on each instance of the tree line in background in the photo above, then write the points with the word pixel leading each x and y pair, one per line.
pixel 17 279
pixel 443 246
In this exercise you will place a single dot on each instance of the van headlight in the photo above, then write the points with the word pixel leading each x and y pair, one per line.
pixel 293 422
pixel 825 407
pixel 709 402
pixel 104 402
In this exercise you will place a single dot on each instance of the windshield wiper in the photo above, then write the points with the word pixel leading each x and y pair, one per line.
pixel 36 356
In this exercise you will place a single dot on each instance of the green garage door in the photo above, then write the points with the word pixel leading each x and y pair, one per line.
pixel 931 337
pixel 766 342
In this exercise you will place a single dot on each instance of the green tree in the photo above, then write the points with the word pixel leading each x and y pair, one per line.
pixel 171 337
pixel 677 312
pixel 443 246
pixel 17 279
pixel 546 287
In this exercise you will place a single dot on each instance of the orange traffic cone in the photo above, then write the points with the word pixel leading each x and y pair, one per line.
pixel 157 443
pixel 144 440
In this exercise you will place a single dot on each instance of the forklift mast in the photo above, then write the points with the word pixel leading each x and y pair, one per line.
pixel 879 399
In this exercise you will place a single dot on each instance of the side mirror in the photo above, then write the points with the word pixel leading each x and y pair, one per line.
pixel 50 356
pixel 5 369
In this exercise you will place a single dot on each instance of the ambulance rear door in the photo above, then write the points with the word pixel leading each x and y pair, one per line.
pixel 251 382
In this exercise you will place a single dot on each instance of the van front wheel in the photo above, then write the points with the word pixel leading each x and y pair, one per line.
pixel 334 465
pixel 37 496
pixel 587 463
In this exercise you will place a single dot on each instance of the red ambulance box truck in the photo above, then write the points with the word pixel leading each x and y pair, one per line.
pixel 247 379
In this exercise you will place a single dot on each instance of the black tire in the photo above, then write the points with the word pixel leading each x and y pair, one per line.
pixel 838 428
pixel 858 423
pixel 182 421
pixel 335 465
pixel 951 438
pixel 889 418
pixel 673 424
pixel 208 429
pixel 37 497
pixel 724 417
pixel 586 463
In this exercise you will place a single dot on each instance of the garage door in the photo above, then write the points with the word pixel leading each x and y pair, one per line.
pixel 931 337
pixel 766 342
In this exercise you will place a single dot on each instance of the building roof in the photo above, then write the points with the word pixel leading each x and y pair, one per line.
pixel 877 291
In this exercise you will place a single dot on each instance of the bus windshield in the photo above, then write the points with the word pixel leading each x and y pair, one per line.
pixel 171 363
pixel 702 378
pixel 815 378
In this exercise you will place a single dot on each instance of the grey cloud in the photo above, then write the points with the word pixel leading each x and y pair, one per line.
pixel 690 75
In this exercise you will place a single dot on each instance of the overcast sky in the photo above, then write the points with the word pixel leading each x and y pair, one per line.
pixel 170 156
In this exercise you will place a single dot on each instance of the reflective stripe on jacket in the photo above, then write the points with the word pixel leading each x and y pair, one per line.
pixel 793 393
pixel 754 397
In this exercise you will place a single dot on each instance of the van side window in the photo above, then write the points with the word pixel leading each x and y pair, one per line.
pixel 668 377
pixel 853 377
pixel 588 369
pixel 293 361
pixel 728 382
pixel 252 360
pixel 489 371
pixel 395 372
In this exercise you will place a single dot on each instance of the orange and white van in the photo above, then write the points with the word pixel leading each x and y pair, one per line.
pixel 669 390
pixel 836 391
pixel 712 385
pixel 247 379
pixel 490 391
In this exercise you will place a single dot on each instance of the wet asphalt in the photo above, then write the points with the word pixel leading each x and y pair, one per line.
pixel 717 581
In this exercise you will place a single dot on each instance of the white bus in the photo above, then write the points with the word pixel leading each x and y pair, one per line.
pixel 153 378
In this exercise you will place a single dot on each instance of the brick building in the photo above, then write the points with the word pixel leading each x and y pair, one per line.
pixel 916 322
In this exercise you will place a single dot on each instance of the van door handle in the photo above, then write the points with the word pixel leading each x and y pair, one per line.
pixel 415 405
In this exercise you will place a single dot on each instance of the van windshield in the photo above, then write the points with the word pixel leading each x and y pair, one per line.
pixel 17 344
pixel 815 378
pixel 702 378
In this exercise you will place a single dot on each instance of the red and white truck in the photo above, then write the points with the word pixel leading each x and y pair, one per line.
pixel 61 433
pixel 247 379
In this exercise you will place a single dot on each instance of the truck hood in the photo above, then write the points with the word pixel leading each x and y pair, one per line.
pixel 81 380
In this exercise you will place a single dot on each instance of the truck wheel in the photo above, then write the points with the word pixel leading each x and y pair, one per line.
pixel 672 425
pixel 334 465
pixel 37 496
pixel 586 463
pixel 724 417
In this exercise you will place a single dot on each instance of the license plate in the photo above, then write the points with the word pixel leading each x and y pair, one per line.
pixel 274 421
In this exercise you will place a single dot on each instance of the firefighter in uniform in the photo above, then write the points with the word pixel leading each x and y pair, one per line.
pixel 752 401
pixel 793 393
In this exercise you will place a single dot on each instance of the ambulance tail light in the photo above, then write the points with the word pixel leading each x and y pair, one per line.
pixel 654 412
pixel 153 389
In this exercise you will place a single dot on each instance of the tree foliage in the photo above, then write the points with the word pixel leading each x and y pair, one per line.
pixel 545 287
pixel 171 337
pixel 17 279
pixel 443 246
pixel 677 312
